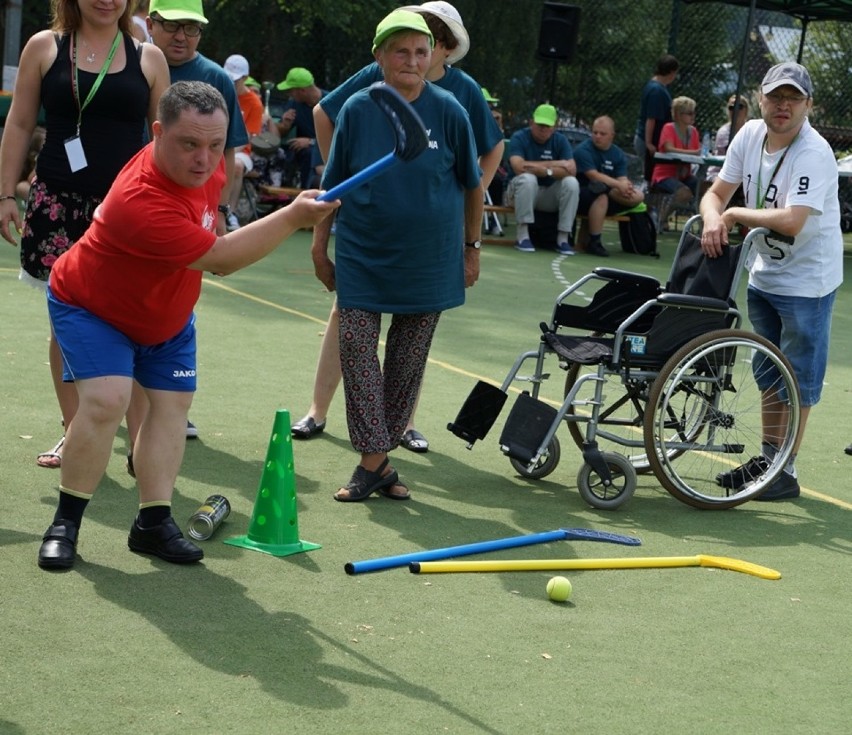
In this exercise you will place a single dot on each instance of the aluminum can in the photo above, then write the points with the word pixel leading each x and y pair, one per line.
pixel 209 517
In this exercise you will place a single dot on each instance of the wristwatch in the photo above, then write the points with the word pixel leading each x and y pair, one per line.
pixel 476 244
pixel 224 209
pixel 548 171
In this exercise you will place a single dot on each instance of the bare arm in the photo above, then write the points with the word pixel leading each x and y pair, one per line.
pixel 650 127
pixel 156 71
pixel 558 169
pixel 324 130
pixel 323 265
pixel 488 163
pixel 38 55
pixel 714 235
pixel 250 243
pixel 473 205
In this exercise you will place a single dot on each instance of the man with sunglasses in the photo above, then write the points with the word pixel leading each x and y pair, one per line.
pixel 175 27
pixel 789 177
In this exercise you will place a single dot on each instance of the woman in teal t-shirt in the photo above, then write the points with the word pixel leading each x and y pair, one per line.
pixel 399 248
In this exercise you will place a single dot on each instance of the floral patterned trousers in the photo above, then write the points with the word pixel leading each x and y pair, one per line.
pixel 380 399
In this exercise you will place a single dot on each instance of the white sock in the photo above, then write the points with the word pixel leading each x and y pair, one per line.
pixel 523 232
pixel 562 238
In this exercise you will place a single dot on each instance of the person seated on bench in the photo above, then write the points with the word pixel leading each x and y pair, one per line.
pixel 605 189
pixel 673 178
pixel 542 171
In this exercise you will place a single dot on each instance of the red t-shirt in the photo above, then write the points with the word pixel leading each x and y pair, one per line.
pixel 130 267
pixel 675 170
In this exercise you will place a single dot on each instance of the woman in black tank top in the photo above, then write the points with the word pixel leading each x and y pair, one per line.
pixel 79 63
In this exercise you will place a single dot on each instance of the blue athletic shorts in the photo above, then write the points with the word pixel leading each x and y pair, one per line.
pixel 91 348
pixel 800 327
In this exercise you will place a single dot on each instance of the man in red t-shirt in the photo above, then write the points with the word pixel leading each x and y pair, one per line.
pixel 121 301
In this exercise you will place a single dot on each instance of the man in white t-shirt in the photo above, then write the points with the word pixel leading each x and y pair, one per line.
pixel 789 178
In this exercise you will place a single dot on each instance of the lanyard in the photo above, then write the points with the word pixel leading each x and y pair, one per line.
pixel 762 199
pixel 75 82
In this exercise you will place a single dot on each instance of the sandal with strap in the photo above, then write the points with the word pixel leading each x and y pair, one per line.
pixel 386 491
pixel 364 483
pixel 52 460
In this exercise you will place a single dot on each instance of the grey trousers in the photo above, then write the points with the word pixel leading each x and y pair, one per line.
pixel 561 196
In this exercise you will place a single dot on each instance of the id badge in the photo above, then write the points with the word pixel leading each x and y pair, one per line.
pixel 74 151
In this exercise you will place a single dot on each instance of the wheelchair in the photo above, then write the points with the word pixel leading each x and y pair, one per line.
pixel 660 378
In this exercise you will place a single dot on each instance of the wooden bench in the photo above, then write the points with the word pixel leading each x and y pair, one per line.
pixel 580 241
pixel 280 191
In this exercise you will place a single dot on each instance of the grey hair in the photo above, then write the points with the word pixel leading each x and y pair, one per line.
pixel 198 96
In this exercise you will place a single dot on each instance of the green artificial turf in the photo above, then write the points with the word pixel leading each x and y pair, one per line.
pixel 250 643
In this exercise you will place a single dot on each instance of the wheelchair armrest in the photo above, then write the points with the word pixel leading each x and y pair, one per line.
pixel 614 274
pixel 695 302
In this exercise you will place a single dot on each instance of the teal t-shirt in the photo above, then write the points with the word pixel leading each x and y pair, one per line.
pixel 611 162
pixel 202 69
pixel 399 240
pixel 456 82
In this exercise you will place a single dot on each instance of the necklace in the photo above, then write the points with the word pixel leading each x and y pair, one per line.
pixel 90 57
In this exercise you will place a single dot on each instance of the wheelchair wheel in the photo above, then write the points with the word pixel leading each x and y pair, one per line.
pixel 545 465
pixel 704 416
pixel 619 491
pixel 621 420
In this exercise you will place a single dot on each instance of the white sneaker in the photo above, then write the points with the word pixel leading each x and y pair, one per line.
pixel 233 222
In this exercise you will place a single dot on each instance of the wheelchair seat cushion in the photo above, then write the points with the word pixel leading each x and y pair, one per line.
pixel 582 350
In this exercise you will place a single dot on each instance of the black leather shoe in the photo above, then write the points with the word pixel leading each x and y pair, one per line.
pixel 306 428
pixel 59 546
pixel 164 540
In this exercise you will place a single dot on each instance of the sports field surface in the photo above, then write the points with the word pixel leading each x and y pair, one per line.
pixel 249 643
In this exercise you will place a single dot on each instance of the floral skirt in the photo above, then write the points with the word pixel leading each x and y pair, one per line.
pixel 53 222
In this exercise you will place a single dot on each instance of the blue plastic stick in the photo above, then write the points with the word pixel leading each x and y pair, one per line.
pixel 388 562
pixel 373 170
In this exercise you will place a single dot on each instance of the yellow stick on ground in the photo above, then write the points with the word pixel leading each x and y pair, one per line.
pixel 542 565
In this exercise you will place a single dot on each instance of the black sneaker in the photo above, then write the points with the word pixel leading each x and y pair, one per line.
pixel 784 487
pixel 597 248
pixel 747 472
pixel 164 540
pixel 191 430
pixel 59 546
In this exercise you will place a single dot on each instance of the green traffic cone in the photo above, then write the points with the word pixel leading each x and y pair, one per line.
pixel 274 526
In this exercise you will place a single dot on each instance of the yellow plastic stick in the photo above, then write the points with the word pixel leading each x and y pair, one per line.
pixel 542 565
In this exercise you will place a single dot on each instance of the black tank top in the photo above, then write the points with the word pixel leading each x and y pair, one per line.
pixel 113 124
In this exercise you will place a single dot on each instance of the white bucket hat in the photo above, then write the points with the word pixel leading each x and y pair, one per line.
pixel 449 15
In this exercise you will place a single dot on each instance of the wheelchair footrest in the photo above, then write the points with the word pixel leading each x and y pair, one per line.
pixel 478 413
pixel 525 429
pixel 582 350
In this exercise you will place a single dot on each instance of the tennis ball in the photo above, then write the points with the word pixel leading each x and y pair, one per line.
pixel 559 589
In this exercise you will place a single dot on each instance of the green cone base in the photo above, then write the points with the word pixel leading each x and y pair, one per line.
pixel 274 526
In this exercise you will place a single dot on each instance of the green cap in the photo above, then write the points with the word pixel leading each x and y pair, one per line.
pixel 401 20
pixel 488 97
pixel 545 115
pixel 178 10
pixel 297 78
pixel 252 82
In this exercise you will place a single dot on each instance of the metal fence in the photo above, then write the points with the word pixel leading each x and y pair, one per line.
pixel 618 44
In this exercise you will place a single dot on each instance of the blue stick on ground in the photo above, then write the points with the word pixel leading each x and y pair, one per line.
pixel 389 562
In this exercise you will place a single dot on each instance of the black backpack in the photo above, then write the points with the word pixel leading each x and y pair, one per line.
pixel 639 234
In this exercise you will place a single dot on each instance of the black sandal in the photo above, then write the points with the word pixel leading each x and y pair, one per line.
pixel 364 483
pixel 386 491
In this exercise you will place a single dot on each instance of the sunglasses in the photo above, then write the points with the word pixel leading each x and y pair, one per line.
pixel 191 30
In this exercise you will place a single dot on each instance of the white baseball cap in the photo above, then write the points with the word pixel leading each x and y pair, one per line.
pixel 237 66
pixel 449 16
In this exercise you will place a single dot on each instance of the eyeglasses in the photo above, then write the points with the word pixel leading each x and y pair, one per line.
pixel 190 30
pixel 780 99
